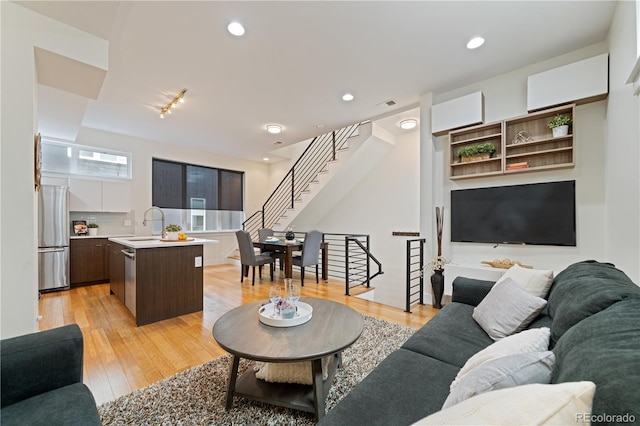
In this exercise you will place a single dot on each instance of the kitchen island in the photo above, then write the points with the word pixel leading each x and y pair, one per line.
pixel 157 279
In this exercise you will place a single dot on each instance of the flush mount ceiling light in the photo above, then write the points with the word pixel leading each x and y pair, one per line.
pixel 475 42
pixel 347 97
pixel 274 128
pixel 409 123
pixel 236 29
pixel 179 98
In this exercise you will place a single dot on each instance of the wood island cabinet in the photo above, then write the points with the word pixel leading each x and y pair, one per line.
pixel 116 274
pixel 89 261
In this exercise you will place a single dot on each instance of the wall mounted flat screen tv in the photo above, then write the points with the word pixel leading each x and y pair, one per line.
pixel 540 213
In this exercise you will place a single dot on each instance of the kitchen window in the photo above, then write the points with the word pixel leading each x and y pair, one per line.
pixel 198 198
pixel 63 158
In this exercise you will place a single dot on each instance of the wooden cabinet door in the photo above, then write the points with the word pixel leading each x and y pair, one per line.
pixel 86 260
pixel 116 271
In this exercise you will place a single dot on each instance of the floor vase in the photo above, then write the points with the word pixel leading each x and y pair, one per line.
pixel 437 287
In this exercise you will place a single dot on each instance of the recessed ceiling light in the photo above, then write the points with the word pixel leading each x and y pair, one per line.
pixel 274 128
pixel 409 123
pixel 265 159
pixel 475 42
pixel 347 97
pixel 236 29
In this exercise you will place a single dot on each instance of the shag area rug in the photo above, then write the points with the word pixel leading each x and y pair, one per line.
pixel 197 396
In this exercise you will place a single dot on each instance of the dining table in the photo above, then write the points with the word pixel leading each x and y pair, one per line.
pixel 288 248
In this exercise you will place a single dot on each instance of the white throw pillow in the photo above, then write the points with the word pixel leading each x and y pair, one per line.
pixel 533 340
pixel 534 281
pixel 561 404
pixel 501 373
pixel 289 372
pixel 507 309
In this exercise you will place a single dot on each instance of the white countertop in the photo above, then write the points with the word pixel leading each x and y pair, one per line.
pixel 155 242
pixel 86 237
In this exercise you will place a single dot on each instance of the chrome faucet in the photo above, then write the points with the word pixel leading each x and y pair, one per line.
pixel 144 218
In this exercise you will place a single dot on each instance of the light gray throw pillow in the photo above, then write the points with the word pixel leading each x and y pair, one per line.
pixel 507 309
pixel 500 373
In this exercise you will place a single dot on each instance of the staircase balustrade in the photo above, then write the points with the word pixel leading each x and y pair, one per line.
pixel 415 273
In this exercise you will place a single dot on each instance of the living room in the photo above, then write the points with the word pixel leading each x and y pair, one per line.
pixel 607 153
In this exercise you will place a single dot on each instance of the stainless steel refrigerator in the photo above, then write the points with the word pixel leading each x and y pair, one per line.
pixel 53 238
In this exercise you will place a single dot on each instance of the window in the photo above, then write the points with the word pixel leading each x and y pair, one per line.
pixel 198 198
pixel 68 159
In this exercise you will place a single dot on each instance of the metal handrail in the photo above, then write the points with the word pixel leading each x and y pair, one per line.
pixel 415 273
pixel 312 161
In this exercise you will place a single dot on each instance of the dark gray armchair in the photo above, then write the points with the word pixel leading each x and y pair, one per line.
pixel 248 257
pixel 310 253
pixel 42 380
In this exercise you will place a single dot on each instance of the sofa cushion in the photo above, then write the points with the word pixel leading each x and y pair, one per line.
pixel 501 373
pixel 507 309
pixel 534 281
pixel 452 336
pixel 523 405
pixel 583 289
pixel 70 405
pixel 534 340
pixel 402 389
pixel 605 349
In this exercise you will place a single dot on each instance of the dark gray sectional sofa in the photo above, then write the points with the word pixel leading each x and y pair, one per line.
pixel 42 380
pixel 593 312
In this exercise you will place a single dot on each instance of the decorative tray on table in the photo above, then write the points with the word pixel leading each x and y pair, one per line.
pixel 302 315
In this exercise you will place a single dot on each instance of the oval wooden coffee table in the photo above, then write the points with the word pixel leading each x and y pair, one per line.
pixel 332 328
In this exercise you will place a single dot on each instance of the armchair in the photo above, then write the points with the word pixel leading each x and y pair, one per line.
pixel 42 380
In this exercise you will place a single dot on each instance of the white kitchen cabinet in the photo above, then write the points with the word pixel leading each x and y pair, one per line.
pixel 97 196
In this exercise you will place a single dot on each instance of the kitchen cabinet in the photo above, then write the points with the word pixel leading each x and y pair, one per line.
pixel 89 261
pixel 116 271
pixel 99 196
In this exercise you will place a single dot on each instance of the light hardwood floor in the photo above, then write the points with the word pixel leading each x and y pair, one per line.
pixel 120 357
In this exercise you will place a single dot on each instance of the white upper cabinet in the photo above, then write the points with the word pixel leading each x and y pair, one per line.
pixel 581 82
pixel 96 196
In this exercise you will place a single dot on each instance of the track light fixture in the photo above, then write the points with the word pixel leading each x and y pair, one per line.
pixel 179 98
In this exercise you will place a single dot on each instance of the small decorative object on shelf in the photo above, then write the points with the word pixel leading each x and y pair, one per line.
pixel 481 151
pixel 505 263
pixel 437 264
pixel 521 137
pixel 290 235
pixel 92 228
pixel 559 125
pixel 518 166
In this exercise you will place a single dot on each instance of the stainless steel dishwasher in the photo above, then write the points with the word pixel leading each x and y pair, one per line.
pixel 130 279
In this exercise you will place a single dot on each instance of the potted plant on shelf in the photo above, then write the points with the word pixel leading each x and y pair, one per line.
pixel 559 125
pixel 480 151
pixel 92 228
pixel 172 231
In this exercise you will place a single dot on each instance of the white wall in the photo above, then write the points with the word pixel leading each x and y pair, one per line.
pixel 21 31
pixel 622 151
pixel 385 200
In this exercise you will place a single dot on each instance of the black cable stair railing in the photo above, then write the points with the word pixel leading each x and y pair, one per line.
pixel 321 151
pixel 415 273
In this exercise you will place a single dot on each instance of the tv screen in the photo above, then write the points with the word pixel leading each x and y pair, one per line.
pixel 541 213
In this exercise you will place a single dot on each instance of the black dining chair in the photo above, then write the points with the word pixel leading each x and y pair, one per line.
pixel 263 233
pixel 310 253
pixel 248 257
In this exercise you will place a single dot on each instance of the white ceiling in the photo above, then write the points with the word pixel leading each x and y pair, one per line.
pixel 296 60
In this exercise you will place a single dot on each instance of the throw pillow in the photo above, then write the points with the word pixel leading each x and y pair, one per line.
pixel 534 281
pixel 561 404
pixel 501 373
pixel 533 340
pixel 507 309
pixel 289 372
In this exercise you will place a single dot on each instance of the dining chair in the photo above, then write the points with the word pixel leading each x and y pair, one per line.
pixel 248 257
pixel 263 233
pixel 310 253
